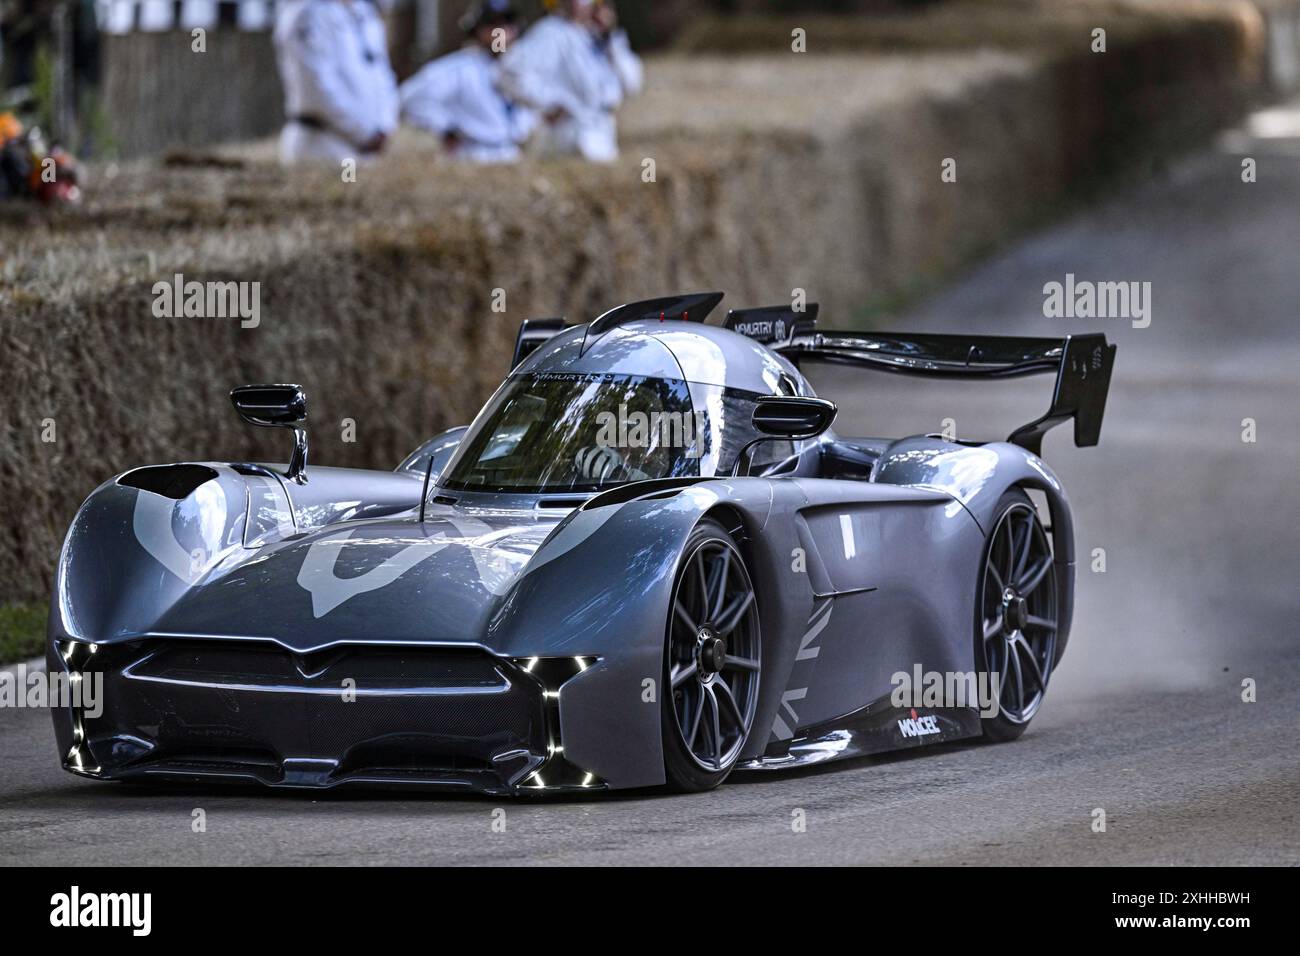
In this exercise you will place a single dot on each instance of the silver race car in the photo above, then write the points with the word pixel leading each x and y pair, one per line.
pixel 649 560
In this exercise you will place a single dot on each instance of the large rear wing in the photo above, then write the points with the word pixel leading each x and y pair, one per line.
pixel 1082 365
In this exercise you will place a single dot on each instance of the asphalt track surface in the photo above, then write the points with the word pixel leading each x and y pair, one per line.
pixel 1145 718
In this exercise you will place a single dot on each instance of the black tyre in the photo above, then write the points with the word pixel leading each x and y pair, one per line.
pixel 1016 621
pixel 711 661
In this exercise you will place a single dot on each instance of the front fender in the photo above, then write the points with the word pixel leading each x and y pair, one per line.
pixel 131 553
pixel 144 540
pixel 600 586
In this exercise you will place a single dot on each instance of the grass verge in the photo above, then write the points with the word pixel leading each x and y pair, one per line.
pixel 22 632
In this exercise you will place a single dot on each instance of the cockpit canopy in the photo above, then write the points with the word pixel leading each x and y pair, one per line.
pixel 548 432
pixel 596 407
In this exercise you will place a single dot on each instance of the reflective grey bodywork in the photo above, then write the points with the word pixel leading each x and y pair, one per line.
pixel 858 575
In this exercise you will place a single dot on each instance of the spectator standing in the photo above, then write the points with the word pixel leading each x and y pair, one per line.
pixel 458 97
pixel 341 98
pixel 575 67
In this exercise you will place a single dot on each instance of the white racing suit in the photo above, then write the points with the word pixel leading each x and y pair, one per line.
pixel 339 87
pixel 459 93
pixel 559 64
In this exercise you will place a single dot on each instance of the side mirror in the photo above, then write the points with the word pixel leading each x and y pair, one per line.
pixel 787 417
pixel 277 406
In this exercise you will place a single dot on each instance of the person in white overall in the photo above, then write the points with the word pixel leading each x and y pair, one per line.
pixel 340 94
pixel 458 97
pixel 575 67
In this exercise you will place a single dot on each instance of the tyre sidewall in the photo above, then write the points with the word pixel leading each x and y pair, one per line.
pixel 997 728
pixel 683 773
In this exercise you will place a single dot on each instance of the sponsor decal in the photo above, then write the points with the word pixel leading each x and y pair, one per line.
pixel 918 726
pixel 764 330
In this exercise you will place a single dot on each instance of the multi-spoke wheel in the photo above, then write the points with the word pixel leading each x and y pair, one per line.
pixel 1016 624
pixel 711 667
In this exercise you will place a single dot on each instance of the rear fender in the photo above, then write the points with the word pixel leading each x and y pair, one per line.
pixel 978 476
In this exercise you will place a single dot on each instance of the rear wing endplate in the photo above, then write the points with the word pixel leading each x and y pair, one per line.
pixel 773 324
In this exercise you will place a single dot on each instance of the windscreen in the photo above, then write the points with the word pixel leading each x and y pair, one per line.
pixel 557 432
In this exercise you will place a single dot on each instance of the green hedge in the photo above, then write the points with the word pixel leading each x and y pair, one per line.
pixel 22 631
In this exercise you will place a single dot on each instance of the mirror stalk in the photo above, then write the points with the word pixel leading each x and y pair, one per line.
pixel 297 472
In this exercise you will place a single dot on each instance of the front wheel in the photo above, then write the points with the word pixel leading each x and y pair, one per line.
pixel 711 661
pixel 1016 615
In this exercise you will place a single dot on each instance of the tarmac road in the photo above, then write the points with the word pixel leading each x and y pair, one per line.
pixel 1145 717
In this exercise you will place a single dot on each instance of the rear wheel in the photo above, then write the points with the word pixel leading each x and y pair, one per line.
pixel 1016 615
pixel 711 661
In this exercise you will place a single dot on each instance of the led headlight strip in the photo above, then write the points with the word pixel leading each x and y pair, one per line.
pixel 552 673
pixel 76 656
